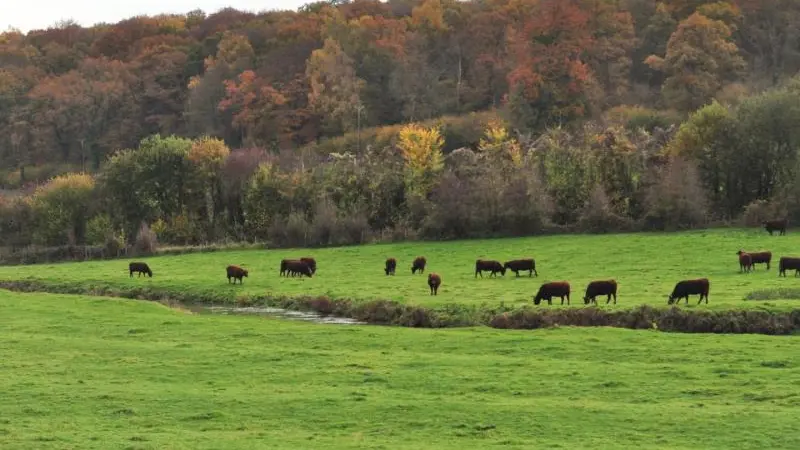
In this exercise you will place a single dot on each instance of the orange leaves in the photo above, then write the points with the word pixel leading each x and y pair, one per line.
pixel 251 100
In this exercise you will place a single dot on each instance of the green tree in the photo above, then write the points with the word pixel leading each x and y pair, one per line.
pixel 334 88
pixel 61 208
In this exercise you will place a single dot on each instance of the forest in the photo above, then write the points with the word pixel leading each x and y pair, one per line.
pixel 353 121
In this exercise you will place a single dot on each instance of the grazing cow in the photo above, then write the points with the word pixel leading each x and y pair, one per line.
pixel 418 264
pixel 312 264
pixel 297 267
pixel 391 265
pixel 284 265
pixel 686 288
pixel 745 261
pixel 236 273
pixel 522 265
pixel 489 266
pixel 595 288
pixel 549 290
pixel 758 258
pixel 776 225
pixel 141 268
pixel 434 281
pixel 788 263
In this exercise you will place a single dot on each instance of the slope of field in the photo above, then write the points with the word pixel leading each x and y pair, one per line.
pixel 647 266
pixel 100 373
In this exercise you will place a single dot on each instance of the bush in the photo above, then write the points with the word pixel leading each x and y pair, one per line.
pixel 98 229
pixel 61 208
pixel 676 200
pixel 760 210
pixel 637 117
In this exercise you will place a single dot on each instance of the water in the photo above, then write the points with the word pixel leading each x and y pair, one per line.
pixel 306 316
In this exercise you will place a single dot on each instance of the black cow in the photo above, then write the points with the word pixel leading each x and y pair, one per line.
pixel 298 268
pixel 418 264
pixel 758 258
pixel 788 263
pixel 776 225
pixel 284 265
pixel 236 273
pixel 522 265
pixel 489 266
pixel 434 281
pixel 604 287
pixel 312 264
pixel 391 266
pixel 686 288
pixel 140 267
pixel 549 290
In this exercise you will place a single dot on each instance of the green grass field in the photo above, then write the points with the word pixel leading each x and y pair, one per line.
pixel 99 373
pixel 646 266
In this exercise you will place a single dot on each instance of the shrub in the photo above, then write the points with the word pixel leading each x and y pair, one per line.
pixel 61 208
pixel 638 117
pixel 146 240
pixel 760 210
pixel 98 229
pixel 676 200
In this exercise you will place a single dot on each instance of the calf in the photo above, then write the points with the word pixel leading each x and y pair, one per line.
pixel 686 288
pixel 522 265
pixel 595 288
pixel 391 265
pixel 418 264
pixel 549 290
pixel 298 268
pixel 312 264
pixel 236 273
pixel 758 258
pixel 141 268
pixel 489 266
pixel 776 225
pixel 745 261
pixel 788 263
pixel 434 281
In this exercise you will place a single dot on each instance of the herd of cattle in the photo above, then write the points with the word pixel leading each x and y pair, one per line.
pixel 683 289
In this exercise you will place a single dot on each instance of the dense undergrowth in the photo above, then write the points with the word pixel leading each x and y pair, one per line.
pixel 387 312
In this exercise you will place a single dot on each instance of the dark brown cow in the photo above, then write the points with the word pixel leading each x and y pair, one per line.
pixel 418 264
pixel 549 290
pixel 312 264
pixel 758 258
pixel 489 266
pixel 391 266
pixel 776 225
pixel 745 261
pixel 603 287
pixel 434 281
pixel 284 265
pixel 788 263
pixel 522 265
pixel 236 273
pixel 298 268
pixel 686 288
pixel 140 267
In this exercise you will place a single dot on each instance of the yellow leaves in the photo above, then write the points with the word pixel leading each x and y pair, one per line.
pixel 80 181
pixel 208 153
pixel 421 148
pixel 497 141
pixel 429 14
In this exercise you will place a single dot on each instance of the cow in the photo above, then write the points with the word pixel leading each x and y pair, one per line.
pixel 776 225
pixel 686 288
pixel 522 265
pixel 434 281
pixel 141 268
pixel 418 264
pixel 391 265
pixel 758 258
pixel 312 263
pixel 298 267
pixel 489 266
pixel 745 261
pixel 284 265
pixel 554 289
pixel 788 263
pixel 236 273
pixel 595 288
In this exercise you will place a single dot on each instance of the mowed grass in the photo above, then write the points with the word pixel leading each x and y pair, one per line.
pixel 99 373
pixel 646 266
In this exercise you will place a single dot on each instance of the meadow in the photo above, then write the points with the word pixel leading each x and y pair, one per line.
pixel 93 372
pixel 646 266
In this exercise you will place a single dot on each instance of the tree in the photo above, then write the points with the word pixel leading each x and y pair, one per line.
pixel 769 28
pixel 609 55
pixel 61 208
pixel 700 59
pixel 252 102
pixel 208 156
pixel 334 88
pixel 422 151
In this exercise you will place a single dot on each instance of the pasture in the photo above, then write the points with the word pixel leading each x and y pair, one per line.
pixel 100 373
pixel 646 266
